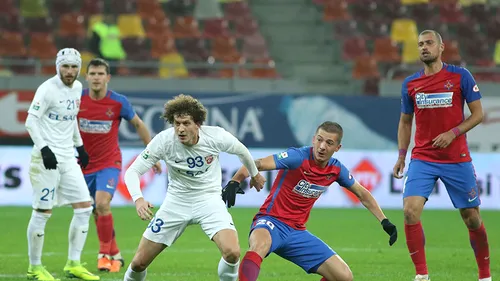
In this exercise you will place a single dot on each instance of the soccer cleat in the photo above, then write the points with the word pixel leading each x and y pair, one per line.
pixel 38 272
pixel 104 264
pixel 422 278
pixel 74 269
pixel 485 279
pixel 116 265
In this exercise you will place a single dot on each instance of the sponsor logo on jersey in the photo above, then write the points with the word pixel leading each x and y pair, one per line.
pixel 309 190
pixel 57 117
pixel 95 126
pixel 475 88
pixel 283 155
pixel 36 106
pixel 434 100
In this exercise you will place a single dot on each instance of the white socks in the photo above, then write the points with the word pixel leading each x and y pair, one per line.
pixel 228 271
pixel 36 234
pixel 131 275
pixel 78 230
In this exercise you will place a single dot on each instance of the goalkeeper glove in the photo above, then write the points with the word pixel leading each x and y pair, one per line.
pixel 49 159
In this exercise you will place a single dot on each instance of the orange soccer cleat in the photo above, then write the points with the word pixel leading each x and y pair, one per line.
pixel 116 265
pixel 104 264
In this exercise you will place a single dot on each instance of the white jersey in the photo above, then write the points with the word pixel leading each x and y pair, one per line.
pixel 192 170
pixel 57 105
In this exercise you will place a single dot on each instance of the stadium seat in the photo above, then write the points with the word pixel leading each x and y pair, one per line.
pixel 363 11
pixel 403 30
pixel 443 2
pixel 180 8
pixel 194 51
pixel 12 22
pixel 451 13
pixel 424 14
pixel 492 29
pixel 42 46
pixel 373 29
pixel 146 8
pixel 134 47
pixel 33 9
pixel 213 28
pixel 413 2
pixel 75 41
pixel 61 7
pixel 186 27
pixel 158 28
pixel 385 50
pixel 353 48
pixel 476 49
pixel 335 10
pixel 234 67
pixel 161 46
pixel 123 6
pixel 254 47
pixel 391 9
pixel 72 24
pixel 38 24
pixel 130 25
pixel 8 8
pixel 345 29
pixel 451 52
pixel 246 27
pixel 12 44
pixel 236 10
pixel 172 65
pixel 410 53
pixel 266 71
pixel 479 12
pixel 365 67
pixel 92 7
pixel 223 47
pixel 467 30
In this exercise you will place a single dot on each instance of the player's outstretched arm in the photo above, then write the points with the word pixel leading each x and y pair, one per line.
pixel 367 199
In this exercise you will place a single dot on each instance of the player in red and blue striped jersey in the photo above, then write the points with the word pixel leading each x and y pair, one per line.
pixel 304 174
pixel 101 112
pixel 436 96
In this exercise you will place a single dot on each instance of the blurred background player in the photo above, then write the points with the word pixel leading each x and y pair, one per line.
pixel 279 226
pixel 436 95
pixel 54 172
pixel 101 112
pixel 191 152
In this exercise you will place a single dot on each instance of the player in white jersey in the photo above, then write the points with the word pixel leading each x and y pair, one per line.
pixel 191 152
pixel 54 172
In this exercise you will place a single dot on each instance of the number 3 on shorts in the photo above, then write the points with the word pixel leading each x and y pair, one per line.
pixel 155 224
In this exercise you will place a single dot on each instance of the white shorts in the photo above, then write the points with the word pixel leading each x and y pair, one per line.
pixel 62 186
pixel 175 215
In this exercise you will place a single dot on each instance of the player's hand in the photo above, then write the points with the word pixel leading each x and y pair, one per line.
pixel 49 159
pixel 398 169
pixel 157 168
pixel 258 182
pixel 390 229
pixel 143 208
pixel 83 157
pixel 443 140
pixel 229 193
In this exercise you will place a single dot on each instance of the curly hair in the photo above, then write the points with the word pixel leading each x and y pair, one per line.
pixel 184 105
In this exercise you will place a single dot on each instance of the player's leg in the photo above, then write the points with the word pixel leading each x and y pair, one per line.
pixel 106 182
pixel 314 256
pixel 266 235
pixel 417 187
pixel 460 182
pixel 44 183
pixel 167 225
pixel 73 190
pixel 217 223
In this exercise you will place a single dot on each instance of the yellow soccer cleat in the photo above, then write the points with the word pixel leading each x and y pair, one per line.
pixel 74 269
pixel 38 272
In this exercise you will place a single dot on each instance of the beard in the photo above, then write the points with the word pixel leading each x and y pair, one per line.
pixel 429 59
pixel 63 79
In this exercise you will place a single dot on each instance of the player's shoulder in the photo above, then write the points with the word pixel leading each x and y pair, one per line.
pixel 412 77
pixel 457 69
pixel 50 83
pixel 334 162
pixel 117 97
pixel 166 134
pixel 303 152
pixel 77 85
pixel 213 132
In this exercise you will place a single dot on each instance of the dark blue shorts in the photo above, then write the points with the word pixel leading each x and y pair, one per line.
pixel 103 180
pixel 458 178
pixel 298 246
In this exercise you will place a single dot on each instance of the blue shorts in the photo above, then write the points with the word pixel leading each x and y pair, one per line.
pixel 103 180
pixel 298 246
pixel 458 178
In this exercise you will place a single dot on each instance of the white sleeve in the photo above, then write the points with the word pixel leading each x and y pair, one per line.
pixel 41 102
pixel 232 145
pixel 77 138
pixel 33 127
pixel 148 157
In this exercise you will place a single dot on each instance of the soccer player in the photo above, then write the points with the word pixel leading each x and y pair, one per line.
pixel 54 172
pixel 101 112
pixel 279 226
pixel 191 152
pixel 436 96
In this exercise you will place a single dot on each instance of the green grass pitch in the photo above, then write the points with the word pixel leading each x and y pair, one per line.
pixel 353 233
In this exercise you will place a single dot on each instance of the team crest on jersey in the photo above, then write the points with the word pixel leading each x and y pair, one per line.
pixel 110 113
pixel 209 159
pixel 448 85
pixel 475 88
pixel 434 100
pixel 77 102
